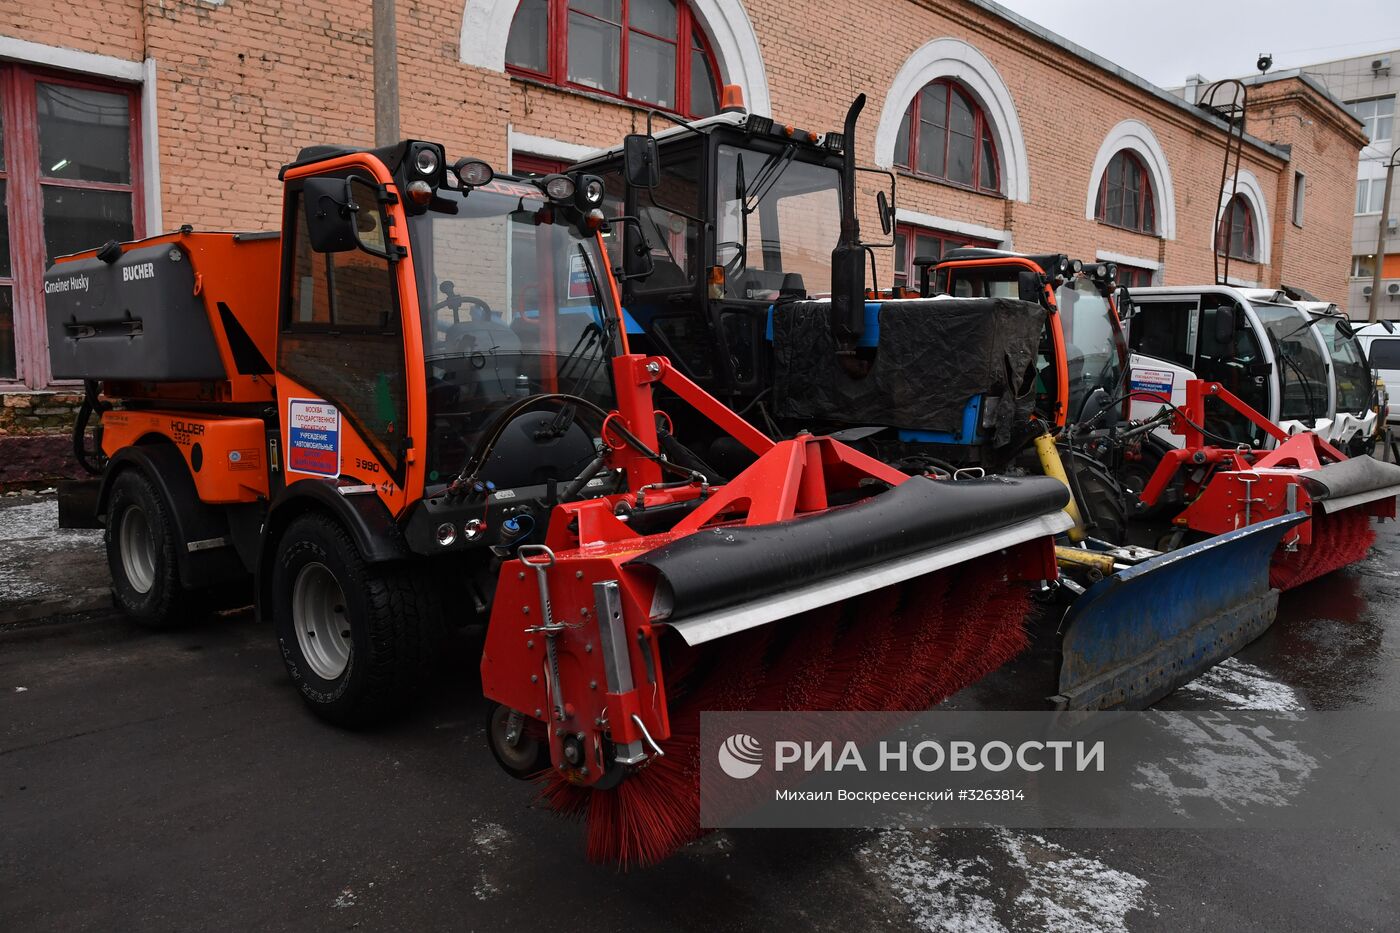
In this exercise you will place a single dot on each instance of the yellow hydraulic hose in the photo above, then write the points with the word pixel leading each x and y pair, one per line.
pixel 1052 466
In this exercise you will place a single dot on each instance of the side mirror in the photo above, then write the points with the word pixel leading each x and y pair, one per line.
pixel 1345 329
pixel 330 215
pixel 641 162
pixel 1260 369
pixel 1224 324
pixel 1028 287
pixel 1126 308
pixel 882 205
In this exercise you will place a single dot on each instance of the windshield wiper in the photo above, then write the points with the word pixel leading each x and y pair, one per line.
pixel 593 335
pixel 768 176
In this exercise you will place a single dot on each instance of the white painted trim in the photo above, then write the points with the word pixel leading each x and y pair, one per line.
pixel 486 30
pixel 1104 255
pixel 1252 192
pixel 542 146
pixel 150 148
pixel 1241 283
pixel 919 219
pixel 1138 137
pixel 52 56
pixel 954 58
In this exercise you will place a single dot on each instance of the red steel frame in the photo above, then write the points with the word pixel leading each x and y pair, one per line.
pixel 686 27
pixel 24 191
pixel 982 132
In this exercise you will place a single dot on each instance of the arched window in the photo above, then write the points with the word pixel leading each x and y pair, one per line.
pixel 1125 194
pixel 651 52
pixel 1236 234
pixel 946 135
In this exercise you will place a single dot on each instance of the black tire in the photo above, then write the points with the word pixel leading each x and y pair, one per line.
pixel 390 614
pixel 141 554
pixel 1100 497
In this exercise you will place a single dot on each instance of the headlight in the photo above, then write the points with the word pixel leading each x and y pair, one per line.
pixel 592 191
pixel 446 534
pixel 559 187
pixel 426 162
pixel 473 173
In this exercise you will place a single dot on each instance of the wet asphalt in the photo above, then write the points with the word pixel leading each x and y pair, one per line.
pixel 173 781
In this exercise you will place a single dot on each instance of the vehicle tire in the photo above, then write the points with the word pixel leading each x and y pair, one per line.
pixel 1100 497
pixel 357 638
pixel 142 554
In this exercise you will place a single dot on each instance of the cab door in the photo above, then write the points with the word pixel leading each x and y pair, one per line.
pixel 1162 338
pixel 1229 352
pixel 341 373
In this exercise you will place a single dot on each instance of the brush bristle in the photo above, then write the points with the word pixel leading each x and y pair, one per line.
pixel 900 648
pixel 1337 540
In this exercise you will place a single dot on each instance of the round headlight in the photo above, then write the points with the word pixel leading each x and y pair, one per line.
pixel 426 162
pixel 593 191
pixel 1111 271
pixel 420 192
pixel 446 533
pixel 559 187
pixel 474 173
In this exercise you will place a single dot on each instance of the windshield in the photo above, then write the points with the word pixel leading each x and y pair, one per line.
pixel 1094 348
pixel 515 302
pixel 1302 369
pixel 777 218
pixel 1348 367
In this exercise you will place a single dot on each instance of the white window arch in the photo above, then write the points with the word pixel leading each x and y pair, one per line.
pixel 957 60
pixel 1247 187
pixel 1138 138
pixel 486 30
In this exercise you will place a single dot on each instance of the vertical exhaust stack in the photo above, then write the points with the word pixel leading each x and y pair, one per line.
pixel 848 259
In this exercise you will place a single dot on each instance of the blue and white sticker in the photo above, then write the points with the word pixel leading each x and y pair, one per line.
pixel 313 437
pixel 1157 381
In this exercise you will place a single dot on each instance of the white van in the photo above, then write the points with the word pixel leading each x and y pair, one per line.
pixel 1382 344
pixel 1259 346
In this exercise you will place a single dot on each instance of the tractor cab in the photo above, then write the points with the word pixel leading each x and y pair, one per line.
pixel 1083 348
pixel 734 213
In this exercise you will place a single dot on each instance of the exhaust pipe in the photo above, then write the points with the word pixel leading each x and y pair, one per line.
pixel 848 259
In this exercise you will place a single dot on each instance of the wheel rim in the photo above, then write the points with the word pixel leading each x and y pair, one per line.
pixel 138 549
pixel 323 628
pixel 520 756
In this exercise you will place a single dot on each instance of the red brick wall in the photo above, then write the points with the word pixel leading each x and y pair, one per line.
pixel 242 85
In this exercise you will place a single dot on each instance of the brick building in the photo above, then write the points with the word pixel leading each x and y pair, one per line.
pixel 128 117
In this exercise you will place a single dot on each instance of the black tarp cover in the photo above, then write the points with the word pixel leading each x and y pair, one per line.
pixel 934 354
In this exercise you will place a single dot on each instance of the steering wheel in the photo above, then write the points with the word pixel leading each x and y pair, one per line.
pixel 735 264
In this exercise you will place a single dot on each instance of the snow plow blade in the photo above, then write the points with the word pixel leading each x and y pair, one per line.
pixel 1134 637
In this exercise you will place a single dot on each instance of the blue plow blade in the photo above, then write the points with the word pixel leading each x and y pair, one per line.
pixel 1136 636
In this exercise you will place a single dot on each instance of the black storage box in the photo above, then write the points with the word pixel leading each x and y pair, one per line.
pixel 137 318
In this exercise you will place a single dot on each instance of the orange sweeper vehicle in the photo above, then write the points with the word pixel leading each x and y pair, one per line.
pixel 414 408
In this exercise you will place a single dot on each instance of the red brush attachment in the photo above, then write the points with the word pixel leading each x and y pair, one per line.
pixel 1337 540
pixel 904 647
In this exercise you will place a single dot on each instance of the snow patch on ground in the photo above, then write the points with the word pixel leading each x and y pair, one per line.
pixel 345 899
pixel 1238 685
pixel 1232 768
pixel 1020 882
pixel 36 524
pixel 489 838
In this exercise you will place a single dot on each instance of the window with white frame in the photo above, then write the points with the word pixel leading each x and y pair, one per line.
pixel 1369 194
pixel 1378 116
pixel 1363 267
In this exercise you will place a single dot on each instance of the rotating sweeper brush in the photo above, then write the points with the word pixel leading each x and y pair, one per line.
pixel 818 578
pixel 1234 488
